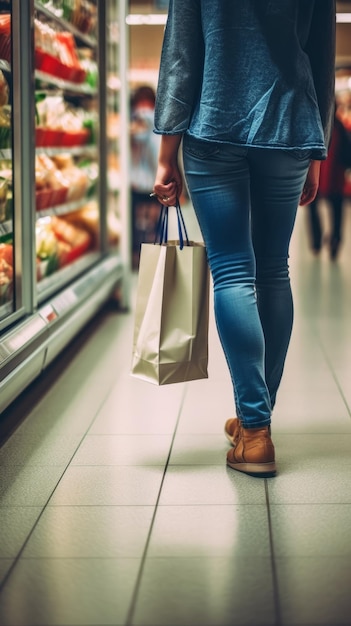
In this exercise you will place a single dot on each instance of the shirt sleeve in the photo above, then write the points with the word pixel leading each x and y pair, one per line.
pixel 181 67
pixel 320 48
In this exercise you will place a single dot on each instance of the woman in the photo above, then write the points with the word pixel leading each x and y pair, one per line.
pixel 144 150
pixel 249 87
pixel 331 188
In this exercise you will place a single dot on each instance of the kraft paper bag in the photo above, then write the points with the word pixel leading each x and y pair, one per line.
pixel 170 342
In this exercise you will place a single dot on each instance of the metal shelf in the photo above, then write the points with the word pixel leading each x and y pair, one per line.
pixel 57 283
pixel 63 209
pixel 6 228
pixel 65 85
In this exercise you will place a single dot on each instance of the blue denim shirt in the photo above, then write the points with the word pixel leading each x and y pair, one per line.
pixel 249 72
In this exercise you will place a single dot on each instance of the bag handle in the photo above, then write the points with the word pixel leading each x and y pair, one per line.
pixel 162 227
pixel 161 235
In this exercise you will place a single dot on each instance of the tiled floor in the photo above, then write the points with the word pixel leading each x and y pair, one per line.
pixel 117 508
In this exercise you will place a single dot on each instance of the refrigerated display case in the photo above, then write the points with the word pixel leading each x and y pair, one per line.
pixel 64 224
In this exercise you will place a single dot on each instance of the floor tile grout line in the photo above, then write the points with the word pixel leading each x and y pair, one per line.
pixel 148 538
pixel 45 382
pixel 276 594
pixel 325 354
pixel 333 373
pixel 3 582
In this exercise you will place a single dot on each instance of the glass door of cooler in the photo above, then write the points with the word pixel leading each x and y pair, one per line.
pixel 8 294
pixel 113 109
pixel 117 135
pixel 69 187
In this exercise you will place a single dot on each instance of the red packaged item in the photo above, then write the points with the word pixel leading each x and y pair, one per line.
pixel 43 199
pixel 69 57
pixel 39 56
pixel 56 54
pixel 39 136
pixel 5 37
pixel 51 184
pixel 53 137
pixel 75 138
pixel 79 239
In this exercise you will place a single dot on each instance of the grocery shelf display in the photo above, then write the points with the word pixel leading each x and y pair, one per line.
pixel 64 240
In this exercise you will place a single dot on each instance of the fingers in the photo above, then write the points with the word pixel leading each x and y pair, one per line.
pixel 162 199
pixel 166 194
pixel 167 200
pixel 311 184
pixel 308 195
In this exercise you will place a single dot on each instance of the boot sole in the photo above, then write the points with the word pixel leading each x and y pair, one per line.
pixel 264 470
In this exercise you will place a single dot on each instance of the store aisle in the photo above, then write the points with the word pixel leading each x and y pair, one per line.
pixel 116 506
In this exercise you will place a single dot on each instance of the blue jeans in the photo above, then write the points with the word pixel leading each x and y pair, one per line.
pixel 246 200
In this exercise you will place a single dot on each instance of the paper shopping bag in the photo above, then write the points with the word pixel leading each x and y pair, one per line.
pixel 170 342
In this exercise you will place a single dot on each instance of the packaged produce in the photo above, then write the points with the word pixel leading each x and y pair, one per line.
pixel 46 248
pixel 5 127
pixel 78 239
pixel 6 253
pixel 56 53
pixel 6 272
pixel 6 280
pixel 5 37
pixel 4 90
pixel 51 184
pixel 81 13
pixel 6 184
pixel 77 177
pixel 87 218
pixel 3 198
pixel 60 124
pixel 90 66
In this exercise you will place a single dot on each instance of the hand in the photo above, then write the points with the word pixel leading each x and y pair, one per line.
pixel 168 182
pixel 311 183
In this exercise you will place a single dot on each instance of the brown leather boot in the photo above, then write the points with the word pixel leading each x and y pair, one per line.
pixel 232 430
pixel 253 452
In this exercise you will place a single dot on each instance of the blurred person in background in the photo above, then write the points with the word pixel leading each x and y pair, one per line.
pixel 144 155
pixel 331 189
